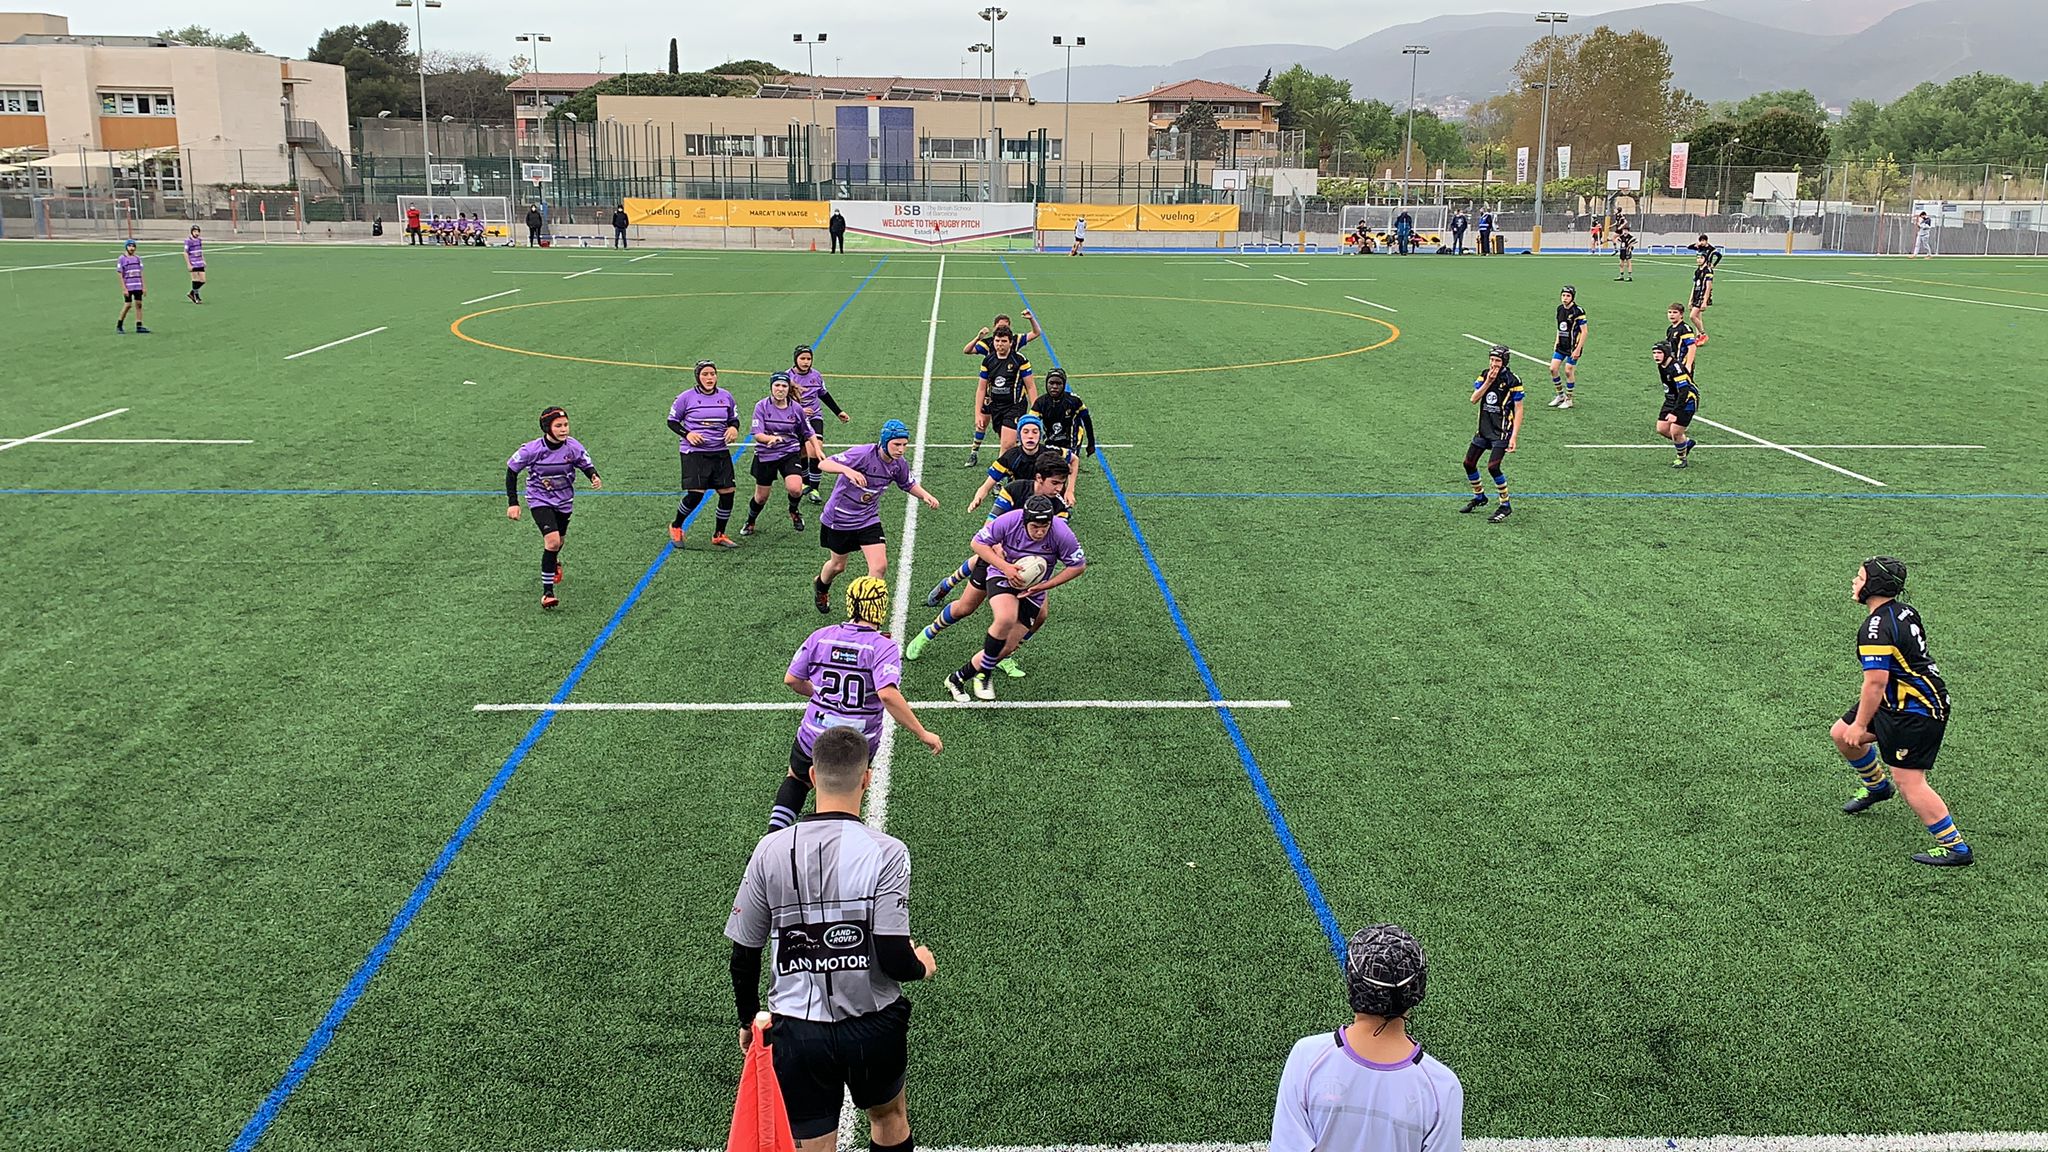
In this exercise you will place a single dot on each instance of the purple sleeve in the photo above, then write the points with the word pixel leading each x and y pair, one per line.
pixel 583 460
pixel 1069 545
pixel 905 480
pixel 760 418
pixel 887 670
pixel 676 410
pixel 800 664
pixel 989 534
pixel 520 459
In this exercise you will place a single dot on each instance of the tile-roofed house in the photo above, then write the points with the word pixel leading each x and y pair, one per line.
pixel 1251 118
pixel 534 93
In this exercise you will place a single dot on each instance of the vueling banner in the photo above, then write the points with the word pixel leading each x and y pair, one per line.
pixel 1101 217
pixel 1187 218
pixel 677 213
pixel 777 213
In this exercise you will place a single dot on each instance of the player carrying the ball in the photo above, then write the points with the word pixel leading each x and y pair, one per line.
pixel 1047 477
pixel 1498 392
pixel 1902 714
pixel 1033 535
pixel 782 437
pixel 851 673
pixel 550 464
pixel 1571 344
pixel 852 518
pixel 1681 401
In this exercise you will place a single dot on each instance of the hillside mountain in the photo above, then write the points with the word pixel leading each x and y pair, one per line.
pixel 1721 50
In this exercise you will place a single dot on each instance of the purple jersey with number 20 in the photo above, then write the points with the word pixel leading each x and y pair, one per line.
pixel 847 666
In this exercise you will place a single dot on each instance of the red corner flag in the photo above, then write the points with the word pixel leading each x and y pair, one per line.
pixel 759 1121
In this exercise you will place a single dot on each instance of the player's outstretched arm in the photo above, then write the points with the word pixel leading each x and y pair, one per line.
pixel 899 709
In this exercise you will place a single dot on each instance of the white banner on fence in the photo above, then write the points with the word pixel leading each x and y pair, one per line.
pixel 1564 161
pixel 1628 152
pixel 1521 165
pixel 936 222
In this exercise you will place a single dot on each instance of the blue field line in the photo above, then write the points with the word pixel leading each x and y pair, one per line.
pixel 827 330
pixel 1460 496
pixel 1302 872
pixel 323 1034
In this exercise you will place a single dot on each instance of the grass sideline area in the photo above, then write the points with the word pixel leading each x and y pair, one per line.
pixel 1583 755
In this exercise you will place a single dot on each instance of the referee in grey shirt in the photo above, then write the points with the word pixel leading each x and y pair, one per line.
pixel 830 897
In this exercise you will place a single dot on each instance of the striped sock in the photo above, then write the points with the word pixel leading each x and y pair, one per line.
pixel 1478 489
pixel 1500 481
pixel 1868 768
pixel 1946 834
pixel 1557 383
pixel 941 623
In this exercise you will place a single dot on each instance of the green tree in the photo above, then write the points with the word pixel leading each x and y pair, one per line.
pixel 675 67
pixel 1326 127
pixel 1265 85
pixel 748 68
pixel 1200 135
pixel 1610 88
pixel 1780 140
pixel 1441 140
pixel 201 36
pixel 584 103
pixel 1797 101
pixel 381 69
pixel 1301 91
pixel 1488 127
pixel 467 86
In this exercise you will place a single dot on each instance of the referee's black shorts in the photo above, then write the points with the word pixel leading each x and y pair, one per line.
pixel 818 1063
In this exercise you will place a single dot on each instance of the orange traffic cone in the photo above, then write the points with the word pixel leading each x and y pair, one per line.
pixel 814 243
pixel 760 1123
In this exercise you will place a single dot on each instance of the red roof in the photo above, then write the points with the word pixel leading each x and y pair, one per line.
pixel 1205 90
pixel 557 81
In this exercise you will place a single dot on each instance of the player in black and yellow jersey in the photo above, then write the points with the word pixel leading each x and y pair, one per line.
pixel 1709 258
pixel 1022 459
pixel 1681 401
pixel 1680 336
pixel 1067 425
pixel 1625 248
pixel 983 345
pixel 1901 716
pixel 1499 395
pixel 1004 392
pixel 1571 344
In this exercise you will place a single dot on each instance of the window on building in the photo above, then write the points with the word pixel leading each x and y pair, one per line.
pixel 952 148
pixel 21 101
pixel 162 175
pixel 137 104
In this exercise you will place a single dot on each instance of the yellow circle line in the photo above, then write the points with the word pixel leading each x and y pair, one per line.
pixel 1393 334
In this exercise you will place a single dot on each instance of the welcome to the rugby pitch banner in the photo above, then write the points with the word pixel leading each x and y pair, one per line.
pixel 936 221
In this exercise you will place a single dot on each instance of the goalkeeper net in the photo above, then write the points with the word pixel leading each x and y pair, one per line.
pixel 85 216
pixel 265 212
pixel 1380 217
pixel 494 210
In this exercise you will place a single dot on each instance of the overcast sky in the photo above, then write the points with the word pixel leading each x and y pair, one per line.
pixel 917 37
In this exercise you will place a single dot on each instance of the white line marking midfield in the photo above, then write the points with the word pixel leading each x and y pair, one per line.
pixel 5 445
pixel 1369 304
pixel 492 296
pixel 585 272
pixel 1290 279
pixel 336 343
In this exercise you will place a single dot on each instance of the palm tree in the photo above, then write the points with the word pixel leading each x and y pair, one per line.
pixel 1326 126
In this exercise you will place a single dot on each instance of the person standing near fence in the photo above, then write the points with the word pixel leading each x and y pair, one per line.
pixel 837 227
pixel 533 223
pixel 412 225
pixel 1923 235
pixel 619 222
pixel 830 898
pixel 1485 233
pixel 1459 222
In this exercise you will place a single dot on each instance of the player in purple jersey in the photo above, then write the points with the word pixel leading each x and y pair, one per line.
pixel 851 673
pixel 1018 609
pixel 853 515
pixel 195 259
pixel 782 435
pixel 1048 480
pixel 550 464
pixel 809 384
pixel 709 423
pixel 129 265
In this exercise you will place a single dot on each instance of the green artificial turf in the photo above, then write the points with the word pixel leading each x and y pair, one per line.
pixel 1583 754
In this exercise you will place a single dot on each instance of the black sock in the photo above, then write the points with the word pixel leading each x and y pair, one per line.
pixel 754 510
pixel 968 671
pixel 548 562
pixel 689 505
pixel 821 587
pixel 794 502
pixel 992 649
pixel 789 803
pixel 909 1145
pixel 724 511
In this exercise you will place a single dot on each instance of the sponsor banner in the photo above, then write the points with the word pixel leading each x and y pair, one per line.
pixel 1100 217
pixel 1564 161
pixel 936 222
pixel 1628 152
pixel 1681 154
pixel 1521 165
pixel 777 213
pixel 1187 218
pixel 677 213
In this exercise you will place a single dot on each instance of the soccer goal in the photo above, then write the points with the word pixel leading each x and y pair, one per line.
pixel 496 212
pixel 84 216
pixel 266 213
pixel 1380 217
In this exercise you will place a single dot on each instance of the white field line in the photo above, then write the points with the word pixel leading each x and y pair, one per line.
pixel 1369 304
pixel 108 260
pixel 1786 449
pixel 6 444
pixel 1815 447
pixel 1239 263
pixel 625 274
pixel 1886 291
pixel 493 296
pixel 135 440
pixel 1290 279
pixel 585 272
pixel 963 444
pixel 334 343
pixel 637 259
pixel 522 272
pixel 946 704
pixel 1887 1142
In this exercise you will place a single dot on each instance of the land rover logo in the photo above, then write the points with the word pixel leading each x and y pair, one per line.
pixel 843 936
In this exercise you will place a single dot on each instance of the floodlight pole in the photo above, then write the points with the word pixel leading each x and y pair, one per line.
pixel 992 14
pixel 420 38
pixel 1067 132
pixel 1415 53
pixel 1551 20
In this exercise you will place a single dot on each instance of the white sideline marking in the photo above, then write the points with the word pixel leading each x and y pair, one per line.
pixel 946 704
pixel 585 272
pixel 625 274
pixel 1369 304
pixel 132 440
pixel 333 343
pixel 110 260
pixel 521 272
pixel 1290 279
pixel 965 445
pixel 1886 291
pixel 1815 447
pixel 637 259
pixel 1239 263
pixel 1887 1142
pixel 5 445
pixel 492 296
pixel 1786 449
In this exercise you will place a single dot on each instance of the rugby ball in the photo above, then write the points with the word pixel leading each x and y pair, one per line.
pixel 1032 569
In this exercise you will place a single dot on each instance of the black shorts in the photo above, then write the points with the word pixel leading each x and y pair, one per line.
pixel 1484 444
pixel 799 762
pixel 134 297
pixel 549 519
pixel 1005 415
pixel 706 471
pixel 818 426
pixel 1700 293
pixel 1904 739
pixel 994 583
pixel 199 268
pixel 1628 251
pixel 819 1063
pixel 769 471
pixel 847 541
pixel 1680 414
pixel 412 229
